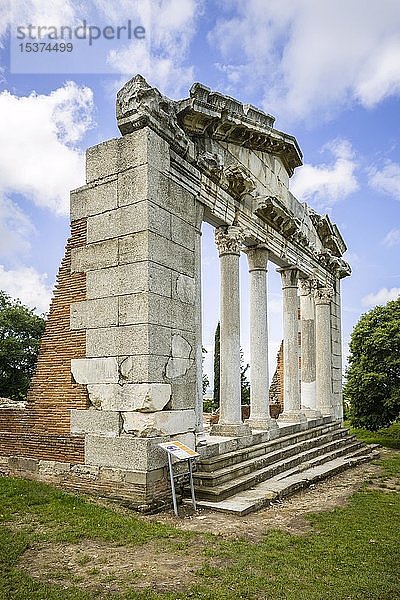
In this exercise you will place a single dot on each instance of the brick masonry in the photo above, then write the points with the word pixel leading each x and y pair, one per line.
pixel 42 429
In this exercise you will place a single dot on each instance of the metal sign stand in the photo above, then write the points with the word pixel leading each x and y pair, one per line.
pixel 181 453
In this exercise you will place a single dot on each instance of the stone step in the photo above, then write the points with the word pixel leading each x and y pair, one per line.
pixel 225 459
pixel 320 453
pixel 286 484
pixel 268 457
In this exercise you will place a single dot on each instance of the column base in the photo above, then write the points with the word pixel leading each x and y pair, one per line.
pixel 268 424
pixel 231 429
pixel 311 413
pixel 292 416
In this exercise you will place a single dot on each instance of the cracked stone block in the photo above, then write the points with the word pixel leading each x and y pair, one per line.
pixel 168 422
pixel 125 452
pixel 180 362
pixel 185 289
pixel 141 397
pixel 95 370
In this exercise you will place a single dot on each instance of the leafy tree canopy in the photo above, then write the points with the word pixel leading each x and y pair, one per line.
pixel 372 388
pixel 20 333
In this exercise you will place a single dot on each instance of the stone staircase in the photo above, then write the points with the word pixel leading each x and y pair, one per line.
pixel 245 478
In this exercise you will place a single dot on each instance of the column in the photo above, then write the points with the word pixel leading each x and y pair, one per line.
pixel 291 376
pixel 307 329
pixel 259 389
pixel 323 350
pixel 229 241
pixel 200 434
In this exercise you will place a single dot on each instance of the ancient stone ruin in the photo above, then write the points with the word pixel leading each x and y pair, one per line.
pixel 119 369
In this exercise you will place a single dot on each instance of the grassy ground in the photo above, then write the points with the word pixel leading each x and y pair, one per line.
pixel 388 436
pixel 352 552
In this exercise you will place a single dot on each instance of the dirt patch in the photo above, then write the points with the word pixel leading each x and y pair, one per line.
pixel 105 568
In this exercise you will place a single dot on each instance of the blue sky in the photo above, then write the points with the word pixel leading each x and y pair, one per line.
pixel 328 71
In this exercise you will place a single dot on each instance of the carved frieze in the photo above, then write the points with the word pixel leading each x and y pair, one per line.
pixel 239 181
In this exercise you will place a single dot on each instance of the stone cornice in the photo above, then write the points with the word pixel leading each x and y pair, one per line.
pixel 328 233
pixel 140 105
pixel 226 119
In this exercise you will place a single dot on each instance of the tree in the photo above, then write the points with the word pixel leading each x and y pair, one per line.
pixel 372 387
pixel 20 333
pixel 245 385
pixel 205 380
pixel 217 348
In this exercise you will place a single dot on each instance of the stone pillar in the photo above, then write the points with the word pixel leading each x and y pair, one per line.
pixel 200 434
pixel 323 348
pixel 259 381
pixel 307 330
pixel 229 243
pixel 291 376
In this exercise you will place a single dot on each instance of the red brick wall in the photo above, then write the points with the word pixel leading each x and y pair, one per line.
pixel 42 429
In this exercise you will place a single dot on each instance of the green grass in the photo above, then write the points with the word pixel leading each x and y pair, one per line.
pixel 387 436
pixel 352 552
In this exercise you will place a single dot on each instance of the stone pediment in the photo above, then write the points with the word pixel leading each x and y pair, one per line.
pixel 225 119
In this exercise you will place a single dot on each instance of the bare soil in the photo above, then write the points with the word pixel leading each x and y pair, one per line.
pixel 109 568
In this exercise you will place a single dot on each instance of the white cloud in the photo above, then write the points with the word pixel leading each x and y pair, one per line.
pixel 381 297
pixel 172 27
pixel 325 184
pixel 28 285
pixel 392 238
pixel 387 179
pixel 308 55
pixel 16 230
pixel 39 131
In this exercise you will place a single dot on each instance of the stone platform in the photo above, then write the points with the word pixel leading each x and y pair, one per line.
pixel 242 475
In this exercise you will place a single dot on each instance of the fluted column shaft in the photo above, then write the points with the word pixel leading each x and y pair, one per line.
pixel 259 380
pixel 229 243
pixel 323 297
pixel 291 376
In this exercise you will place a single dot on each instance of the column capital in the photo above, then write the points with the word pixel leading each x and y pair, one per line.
pixel 306 286
pixel 323 295
pixel 229 239
pixel 290 277
pixel 257 257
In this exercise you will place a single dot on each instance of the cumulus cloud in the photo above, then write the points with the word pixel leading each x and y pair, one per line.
pixel 392 238
pixel 172 25
pixel 381 297
pixel 325 184
pixel 309 55
pixel 28 285
pixel 386 179
pixel 40 132
pixel 16 230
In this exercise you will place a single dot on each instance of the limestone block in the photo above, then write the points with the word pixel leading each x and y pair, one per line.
pixel 176 200
pixel 94 256
pixel 129 279
pixel 123 153
pixel 146 245
pixel 165 422
pixel 125 452
pixel 184 288
pixel 128 340
pixel 128 219
pixel 141 397
pixel 95 370
pixel 182 233
pixel 101 312
pixel 184 391
pixel 144 368
pixel 181 358
pixel 159 310
pixel 92 200
pixel 143 182
pixel 95 422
